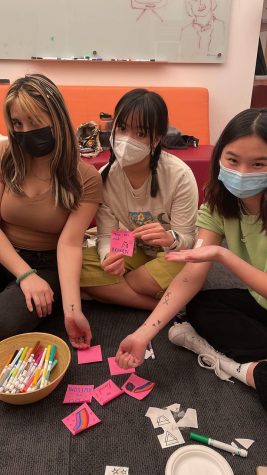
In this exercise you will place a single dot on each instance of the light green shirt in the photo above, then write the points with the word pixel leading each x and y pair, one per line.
pixel 244 238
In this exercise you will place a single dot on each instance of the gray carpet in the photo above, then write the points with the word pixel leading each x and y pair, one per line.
pixel 35 441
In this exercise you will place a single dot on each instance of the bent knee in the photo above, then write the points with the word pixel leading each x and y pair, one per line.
pixel 141 282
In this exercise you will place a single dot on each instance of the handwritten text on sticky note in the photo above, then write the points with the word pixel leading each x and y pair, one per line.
pixel 122 241
pixel 78 393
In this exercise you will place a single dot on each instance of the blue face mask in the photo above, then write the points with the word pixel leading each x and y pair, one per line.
pixel 242 185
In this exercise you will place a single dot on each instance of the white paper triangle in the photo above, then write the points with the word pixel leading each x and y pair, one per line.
pixel 245 442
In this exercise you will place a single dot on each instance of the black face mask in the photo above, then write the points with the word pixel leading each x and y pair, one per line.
pixel 37 143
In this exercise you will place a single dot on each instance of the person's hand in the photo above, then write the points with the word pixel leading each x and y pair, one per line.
pixel 131 351
pixel 37 290
pixel 78 330
pixel 114 264
pixel 153 234
pixel 199 254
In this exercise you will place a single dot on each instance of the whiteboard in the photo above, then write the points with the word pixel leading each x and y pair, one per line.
pixel 160 30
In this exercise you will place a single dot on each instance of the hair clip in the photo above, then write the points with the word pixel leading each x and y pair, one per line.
pixel 49 91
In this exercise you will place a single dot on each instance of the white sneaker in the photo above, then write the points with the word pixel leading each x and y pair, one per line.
pixel 212 362
pixel 183 334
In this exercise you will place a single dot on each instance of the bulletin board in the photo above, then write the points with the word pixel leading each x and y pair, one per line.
pixel 144 30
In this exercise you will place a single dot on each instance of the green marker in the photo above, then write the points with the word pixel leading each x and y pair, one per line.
pixel 50 363
pixel 219 445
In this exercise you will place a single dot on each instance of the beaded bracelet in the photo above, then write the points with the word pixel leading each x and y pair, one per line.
pixel 23 276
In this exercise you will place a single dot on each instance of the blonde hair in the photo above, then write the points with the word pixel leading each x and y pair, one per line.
pixel 35 93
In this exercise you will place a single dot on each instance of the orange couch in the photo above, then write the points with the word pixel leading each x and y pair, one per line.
pixel 188 106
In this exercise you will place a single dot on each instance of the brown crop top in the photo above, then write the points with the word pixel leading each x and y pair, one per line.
pixel 35 223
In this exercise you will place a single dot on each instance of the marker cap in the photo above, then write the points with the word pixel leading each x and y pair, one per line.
pixel 199 438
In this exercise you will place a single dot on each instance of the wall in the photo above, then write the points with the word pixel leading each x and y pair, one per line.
pixel 229 84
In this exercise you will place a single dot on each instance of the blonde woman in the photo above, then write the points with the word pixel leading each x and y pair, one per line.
pixel 47 199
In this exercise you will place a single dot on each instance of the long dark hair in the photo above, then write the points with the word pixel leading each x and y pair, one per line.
pixel 36 92
pixel 150 113
pixel 246 123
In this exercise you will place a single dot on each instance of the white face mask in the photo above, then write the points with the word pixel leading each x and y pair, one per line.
pixel 129 151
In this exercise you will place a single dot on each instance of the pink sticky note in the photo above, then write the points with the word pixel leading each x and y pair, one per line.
pixel 116 369
pixel 80 419
pixel 122 241
pixel 106 392
pixel 137 387
pixel 78 393
pixel 90 355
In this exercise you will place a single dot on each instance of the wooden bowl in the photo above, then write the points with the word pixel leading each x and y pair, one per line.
pixel 63 357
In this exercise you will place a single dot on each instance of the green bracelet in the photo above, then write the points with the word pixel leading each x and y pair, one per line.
pixel 23 276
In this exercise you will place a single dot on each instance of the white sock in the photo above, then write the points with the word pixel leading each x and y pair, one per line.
pixel 234 369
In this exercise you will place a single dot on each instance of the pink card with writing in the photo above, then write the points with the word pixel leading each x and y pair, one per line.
pixel 80 419
pixel 137 387
pixel 115 369
pixel 90 355
pixel 78 393
pixel 106 392
pixel 122 241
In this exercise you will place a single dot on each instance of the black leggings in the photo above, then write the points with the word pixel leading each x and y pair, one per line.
pixel 232 322
pixel 14 315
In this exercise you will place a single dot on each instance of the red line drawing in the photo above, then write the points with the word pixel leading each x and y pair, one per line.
pixel 205 33
pixel 148 5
